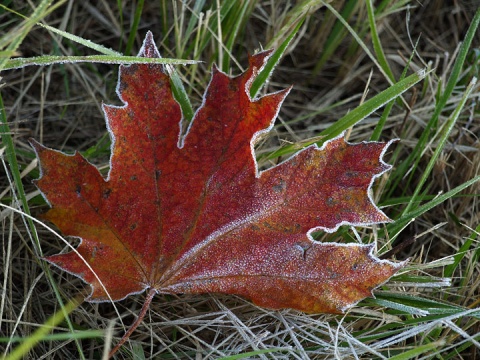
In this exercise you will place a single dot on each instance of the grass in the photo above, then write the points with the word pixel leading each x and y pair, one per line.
pixel 355 68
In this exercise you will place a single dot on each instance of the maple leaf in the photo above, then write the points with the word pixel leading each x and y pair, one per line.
pixel 191 213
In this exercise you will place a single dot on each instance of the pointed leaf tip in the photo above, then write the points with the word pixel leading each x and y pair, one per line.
pixel 34 144
pixel 259 59
pixel 149 49
pixel 256 63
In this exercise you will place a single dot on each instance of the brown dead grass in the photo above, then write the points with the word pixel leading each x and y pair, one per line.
pixel 60 106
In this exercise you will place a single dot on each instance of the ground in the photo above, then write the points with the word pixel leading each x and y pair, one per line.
pixel 430 310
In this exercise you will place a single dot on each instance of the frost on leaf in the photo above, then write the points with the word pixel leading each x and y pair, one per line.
pixel 191 213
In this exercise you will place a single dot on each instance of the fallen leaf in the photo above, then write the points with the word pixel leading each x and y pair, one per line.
pixel 191 213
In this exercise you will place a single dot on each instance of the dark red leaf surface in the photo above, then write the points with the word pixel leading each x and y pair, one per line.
pixel 191 213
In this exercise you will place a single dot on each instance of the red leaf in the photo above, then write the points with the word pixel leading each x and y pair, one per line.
pixel 192 214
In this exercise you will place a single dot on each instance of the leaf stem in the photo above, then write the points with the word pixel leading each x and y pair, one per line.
pixel 137 322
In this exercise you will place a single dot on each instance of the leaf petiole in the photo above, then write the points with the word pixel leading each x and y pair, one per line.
pixel 137 322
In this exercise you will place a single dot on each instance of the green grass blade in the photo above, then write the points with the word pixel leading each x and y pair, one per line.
pixel 441 144
pixel 249 354
pixel 406 218
pixel 86 334
pixel 405 309
pixel 234 29
pixel 336 36
pixel 377 45
pixel 459 256
pixel 419 350
pixel 299 11
pixel 368 107
pixel 7 141
pixel 262 77
pixel 42 10
pixel 79 40
pixel 225 8
pixel 377 132
pixel 417 303
pixel 416 153
pixel 134 28
pixel 40 334
pixel 358 40
pixel 101 59
pixel 353 117
pixel 87 43
pixel 197 8
pixel 180 94
pixel 383 119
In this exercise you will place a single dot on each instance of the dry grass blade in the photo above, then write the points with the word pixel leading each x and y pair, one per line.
pixel 332 74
